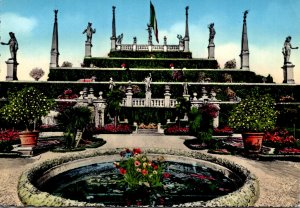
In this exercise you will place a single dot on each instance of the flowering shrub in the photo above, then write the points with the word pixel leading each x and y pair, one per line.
pixel 255 113
pixel 171 65
pixel 178 75
pixel 177 130
pixel 7 139
pixel 278 137
pixel 68 94
pixel 123 65
pixel 287 150
pixel 110 128
pixel 26 106
pixel 139 170
pixel 212 110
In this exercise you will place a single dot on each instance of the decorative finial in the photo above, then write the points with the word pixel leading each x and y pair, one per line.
pixel 245 14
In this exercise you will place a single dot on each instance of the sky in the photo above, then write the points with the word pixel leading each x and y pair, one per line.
pixel 269 22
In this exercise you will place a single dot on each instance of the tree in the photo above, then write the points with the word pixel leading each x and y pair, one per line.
pixel 36 73
pixel 114 100
pixel 183 106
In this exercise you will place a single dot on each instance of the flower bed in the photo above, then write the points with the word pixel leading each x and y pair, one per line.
pixel 111 129
pixel 177 130
pixel 7 139
pixel 279 138
pixel 223 131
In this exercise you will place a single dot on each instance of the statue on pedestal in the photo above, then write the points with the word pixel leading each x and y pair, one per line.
pixel 181 43
pixel 89 32
pixel 286 50
pixel 185 88
pixel 111 84
pixel 148 81
pixel 119 39
pixel 13 46
pixel 212 33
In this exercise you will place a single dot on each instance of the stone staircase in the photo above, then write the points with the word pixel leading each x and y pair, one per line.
pixel 148 131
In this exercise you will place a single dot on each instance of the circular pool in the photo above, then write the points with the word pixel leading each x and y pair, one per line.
pixel 90 179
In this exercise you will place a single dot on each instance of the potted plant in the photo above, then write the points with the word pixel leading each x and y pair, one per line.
pixel 253 116
pixel 25 108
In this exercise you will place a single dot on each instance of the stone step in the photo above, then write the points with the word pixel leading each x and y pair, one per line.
pixel 147 131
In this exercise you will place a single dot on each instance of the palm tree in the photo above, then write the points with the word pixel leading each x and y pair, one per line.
pixel 114 99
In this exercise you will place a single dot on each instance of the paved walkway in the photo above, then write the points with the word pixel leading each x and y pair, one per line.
pixel 279 180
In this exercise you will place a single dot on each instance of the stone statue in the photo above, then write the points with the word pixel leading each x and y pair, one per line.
pixel 134 40
pixel 111 84
pixel 119 39
pixel 148 81
pixel 13 46
pixel 165 40
pixel 185 88
pixel 89 32
pixel 180 40
pixel 212 33
pixel 286 50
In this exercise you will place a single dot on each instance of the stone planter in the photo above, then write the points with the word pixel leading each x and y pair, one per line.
pixel 29 138
pixel 252 142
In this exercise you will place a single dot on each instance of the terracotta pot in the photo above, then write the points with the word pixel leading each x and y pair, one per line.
pixel 29 138
pixel 252 142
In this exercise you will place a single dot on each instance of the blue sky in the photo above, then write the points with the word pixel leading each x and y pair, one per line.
pixel 269 23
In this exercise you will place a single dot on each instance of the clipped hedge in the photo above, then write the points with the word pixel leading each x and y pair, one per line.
pixel 146 54
pixel 153 63
pixel 136 75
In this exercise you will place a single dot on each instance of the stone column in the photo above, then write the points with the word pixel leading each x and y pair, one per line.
pixel 129 96
pixel 288 73
pixel 11 70
pixel 211 51
pixel 88 49
pixel 167 95
pixel 187 36
pixel 148 99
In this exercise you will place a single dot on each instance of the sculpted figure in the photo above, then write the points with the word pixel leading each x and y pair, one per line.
pixel 119 39
pixel 13 46
pixel 111 84
pixel 148 81
pixel 180 39
pixel 212 33
pixel 286 50
pixel 89 32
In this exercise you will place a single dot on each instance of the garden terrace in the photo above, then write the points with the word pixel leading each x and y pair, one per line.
pixel 151 62
pixel 160 74
pixel 55 88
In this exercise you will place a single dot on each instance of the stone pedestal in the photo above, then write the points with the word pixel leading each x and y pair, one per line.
pixel 167 99
pixel 211 51
pixel 288 73
pixel 245 60
pixel 187 97
pixel 88 49
pixel 148 99
pixel 134 47
pixel 129 99
pixel 11 70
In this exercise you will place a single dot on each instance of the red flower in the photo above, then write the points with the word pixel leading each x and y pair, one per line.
pixel 123 65
pixel 166 175
pixel 155 167
pixel 137 151
pixel 171 65
pixel 144 172
pixel 122 171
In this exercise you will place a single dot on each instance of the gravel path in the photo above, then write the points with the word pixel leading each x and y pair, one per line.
pixel 279 180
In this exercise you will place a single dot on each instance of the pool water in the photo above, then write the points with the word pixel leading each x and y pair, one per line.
pixel 102 183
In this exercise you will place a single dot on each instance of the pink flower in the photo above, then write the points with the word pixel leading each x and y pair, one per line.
pixel 166 175
pixel 123 65
pixel 137 163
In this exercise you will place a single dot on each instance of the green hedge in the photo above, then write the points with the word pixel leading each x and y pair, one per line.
pixel 123 75
pixel 54 89
pixel 151 63
pixel 146 54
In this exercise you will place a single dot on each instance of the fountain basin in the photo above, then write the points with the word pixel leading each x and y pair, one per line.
pixel 31 182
